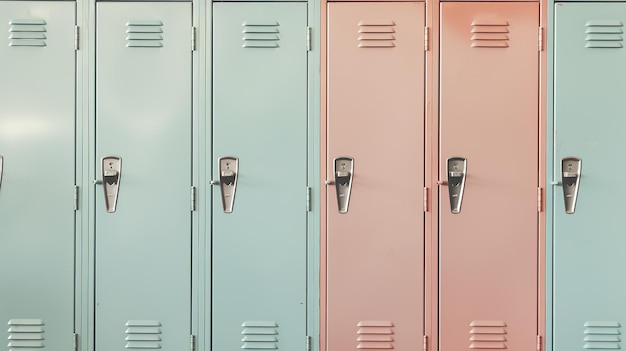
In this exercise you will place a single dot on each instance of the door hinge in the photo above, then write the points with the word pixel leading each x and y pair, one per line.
pixel 75 341
pixel 540 38
pixel 426 38
pixel 425 199
pixel 76 37
pixel 76 192
pixel 193 198
pixel 308 199
pixel 308 38
pixel 193 38
pixel 425 343
pixel 192 343
pixel 539 199
pixel 308 343
pixel 538 342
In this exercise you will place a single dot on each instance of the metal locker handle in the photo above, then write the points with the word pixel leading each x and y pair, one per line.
pixel 229 170
pixel 570 175
pixel 344 170
pixel 457 170
pixel 1 162
pixel 111 176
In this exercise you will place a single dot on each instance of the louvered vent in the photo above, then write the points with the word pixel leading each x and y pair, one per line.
pixel 144 34
pixel 602 335
pixel 27 32
pixel 25 334
pixel 604 34
pixel 490 33
pixel 260 335
pixel 487 335
pixel 376 34
pixel 260 34
pixel 375 335
pixel 143 334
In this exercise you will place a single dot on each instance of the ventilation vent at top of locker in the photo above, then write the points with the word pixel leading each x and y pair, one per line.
pixel 604 34
pixel 489 33
pixel 260 34
pixel 27 32
pixel 376 34
pixel 144 34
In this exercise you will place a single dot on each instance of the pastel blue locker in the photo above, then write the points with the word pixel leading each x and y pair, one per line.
pixel 588 241
pixel 259 216
pixel 37 174
pixel 143 148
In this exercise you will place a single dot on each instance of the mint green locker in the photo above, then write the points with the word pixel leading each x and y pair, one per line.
pixel 259 232
pixel 588 305
pixel 37 174
pixel 143 226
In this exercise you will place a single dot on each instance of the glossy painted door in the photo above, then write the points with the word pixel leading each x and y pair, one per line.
pixel 489 116
pixel 144 116
pixel 375 251
pixel 588 255
pixel 259 251
pixel 37 147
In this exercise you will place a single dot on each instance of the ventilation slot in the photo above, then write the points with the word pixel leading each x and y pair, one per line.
pixel 376 34
pixel 260 35
pixel 260 335
pixel 604 34
pixel 490 34
pixel 602 335
pixel 144 34
pixel 143 335
pixel 487 335
pixel 25 333
pixel 27 32
pixel 375 335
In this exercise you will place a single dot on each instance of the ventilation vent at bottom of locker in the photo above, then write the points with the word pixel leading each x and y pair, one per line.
pixel 375 335
pixel 261 34
pixel 487 335
pixel 604 34
pixel 25 334
pixel 144 334
pixel 27 32
pixel 602 335
pixel 488 33
pixel 260 335
pixel 376 34
pixel 144 34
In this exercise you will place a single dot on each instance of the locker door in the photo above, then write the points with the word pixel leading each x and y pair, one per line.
pixel 260 117
pixel 37 145
pixel 375 251
pixel 489 116
pixel 588 256
pixel 144 116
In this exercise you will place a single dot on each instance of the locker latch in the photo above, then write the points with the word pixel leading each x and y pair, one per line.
pixel 344 169
pixel 1 162
pixel 111 175
pixel 229 170
pixel 457 169
pixel 570 175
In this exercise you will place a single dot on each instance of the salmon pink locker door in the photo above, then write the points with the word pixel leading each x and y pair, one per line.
pixel 37 174
pixel 375 170
pixel 259 233
pixel 488 216
pixel 142 204
pixel 589 243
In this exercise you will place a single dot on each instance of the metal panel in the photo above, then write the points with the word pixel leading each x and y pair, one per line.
pixel 260 117
pixel 37 145
pixel 375 251
pixel 489 116
pixel 144 116
pixel 588 253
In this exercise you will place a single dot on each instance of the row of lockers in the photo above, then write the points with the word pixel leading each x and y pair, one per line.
pixel 162 186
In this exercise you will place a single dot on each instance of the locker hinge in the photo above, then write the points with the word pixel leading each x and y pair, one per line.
pixel 540 38
pixel 193 38
pixel 308 38
pixel 76 190
pixel 308 343
pixel 426 38
pixel 193 198
pixel 539 199
pixel 192 343
pixel 425 343
pixel 76 37
pixel 425 199
pixel 308 199
pixel 75 341
pixel 538 342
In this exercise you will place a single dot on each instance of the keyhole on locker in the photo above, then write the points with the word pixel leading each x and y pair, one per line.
pixel 110 176
pixel 228 176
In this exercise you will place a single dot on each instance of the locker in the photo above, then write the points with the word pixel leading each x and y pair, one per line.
pixel 37 174
pixel 143 224
pixel 259 215
pixel 588 244
pixel 489 144
pixel 375 174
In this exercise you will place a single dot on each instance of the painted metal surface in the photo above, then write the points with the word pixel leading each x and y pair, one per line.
pixel 37 145
pixel 375 250
pixel 489 115
pixel 144 116
pixel 259 254
pixel 588 245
